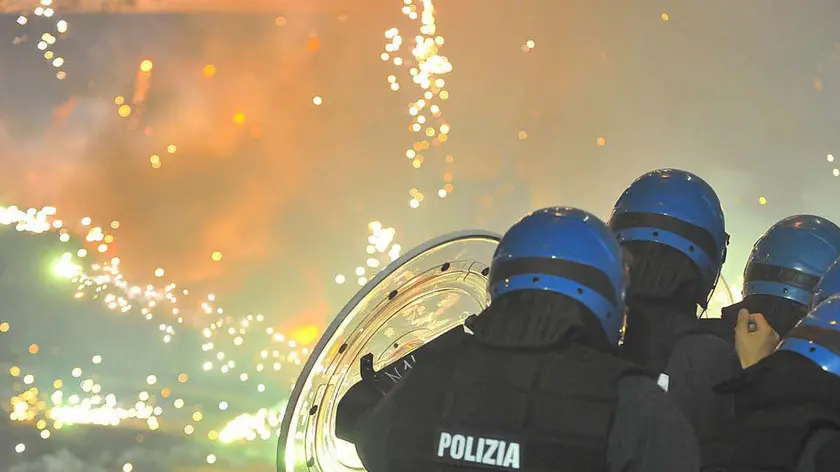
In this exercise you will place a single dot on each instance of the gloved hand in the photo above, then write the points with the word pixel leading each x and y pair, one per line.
pixel 353 405
pixel 754 338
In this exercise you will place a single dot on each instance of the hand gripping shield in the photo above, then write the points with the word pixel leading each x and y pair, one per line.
pixel 426 292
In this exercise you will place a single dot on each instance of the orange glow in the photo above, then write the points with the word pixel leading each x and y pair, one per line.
pixel 313 44
pixel 33 349
pixel 307 334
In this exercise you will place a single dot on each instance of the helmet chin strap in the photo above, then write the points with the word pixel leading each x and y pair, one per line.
pixel 705 305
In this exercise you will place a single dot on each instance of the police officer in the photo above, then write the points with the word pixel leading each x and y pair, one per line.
pixel 828 285
pixel 781 274
pixel 672 223
pixel 536 387
pixel 787 406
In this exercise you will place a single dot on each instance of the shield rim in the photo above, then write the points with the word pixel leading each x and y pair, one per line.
pixel 733 297
pixel 328 333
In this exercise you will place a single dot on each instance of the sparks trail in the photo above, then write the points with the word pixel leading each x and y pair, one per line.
pixel 426 68
pixel 81 399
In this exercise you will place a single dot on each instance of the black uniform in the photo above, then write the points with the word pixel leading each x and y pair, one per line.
pixel 525 393
pixel 723 327
pixel 692 357
pixel 781 314
pixel 374 386
pixel 787 419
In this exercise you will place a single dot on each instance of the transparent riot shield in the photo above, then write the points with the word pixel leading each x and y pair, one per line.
pixel 423 294
pixel 722 296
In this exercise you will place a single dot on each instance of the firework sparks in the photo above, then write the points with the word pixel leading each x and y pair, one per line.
pixel 80 399
pixel 426 68
pixel 48 39
pixel 81 396
pixel 381 250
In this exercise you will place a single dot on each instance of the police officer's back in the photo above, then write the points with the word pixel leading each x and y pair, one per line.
pixel 672 223
pixel 783 270
pixel 536 387
pixel 787 406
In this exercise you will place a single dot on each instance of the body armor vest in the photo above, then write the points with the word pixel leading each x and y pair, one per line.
pixel 506 409
pixel 769 440
pixel 780 403
pixel 652 335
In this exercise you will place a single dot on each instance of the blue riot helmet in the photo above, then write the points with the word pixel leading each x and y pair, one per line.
pixel 817 336
pixel 789 259
pixel 828 285
pixel 679 210
pixel 566 251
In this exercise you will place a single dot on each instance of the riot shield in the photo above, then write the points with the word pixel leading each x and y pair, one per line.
pixel 426 292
